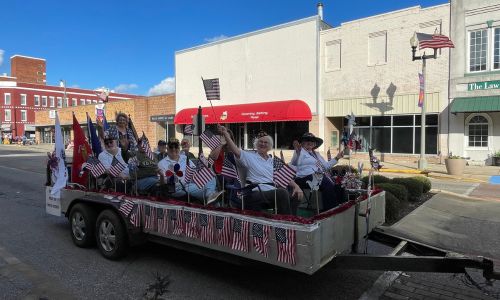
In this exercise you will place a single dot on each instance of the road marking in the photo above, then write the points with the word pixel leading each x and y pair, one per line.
pixel 472 188
pixel 21 170
pixel 23 154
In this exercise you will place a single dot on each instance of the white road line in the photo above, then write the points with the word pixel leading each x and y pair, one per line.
pixel 472 188
pixel 23 154
pixel 21 170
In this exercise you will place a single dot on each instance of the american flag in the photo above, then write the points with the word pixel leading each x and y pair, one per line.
pixel 126 207
pixel 135 217
pixel 229 167
pixel 240 235
pixel 434 41
pixel 260 235
pixel 188 129
pixel 162 221
pixel 150 218
pixel 146 147
pixel 212 88
pixel 285 239
pixel 191 224
pixel 206 161
pixel 95 166
pixel 176 222
pixel 188 175
pixel 116 167
pixel 203 176
pixel 282 173
pixel 206 228
pixel 223 231
pixel 211 140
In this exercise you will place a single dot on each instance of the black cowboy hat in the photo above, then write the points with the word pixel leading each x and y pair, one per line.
pixel 309 137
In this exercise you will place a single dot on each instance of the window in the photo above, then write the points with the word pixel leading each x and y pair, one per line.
pixel 59 102
pixel 477 53
pixel 496 49
pixel 89 101
pixel 52 101
pixel 7 99
pixel 74 102
pixel 37 100
pixel 94 101
pixel 66 102
pixel 23 99
pixel 44 101
pixel 7 116
pixel 24 116
pixel 377 48
pixel 478 131
pixel 82 101
pixel 333 55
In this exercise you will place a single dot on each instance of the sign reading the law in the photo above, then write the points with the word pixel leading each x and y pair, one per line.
pixel 483 85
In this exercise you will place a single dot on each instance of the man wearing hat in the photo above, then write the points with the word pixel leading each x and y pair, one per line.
pixel 308 161
pixel 162 150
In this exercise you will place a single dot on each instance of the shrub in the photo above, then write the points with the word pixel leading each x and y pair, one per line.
pixel 413 186
pixel 426 183
pixel 397 190
pixel 377 179
pixel 392 207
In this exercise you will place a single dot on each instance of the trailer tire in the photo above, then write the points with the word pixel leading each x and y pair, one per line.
pixel 111 235
pixel 82 219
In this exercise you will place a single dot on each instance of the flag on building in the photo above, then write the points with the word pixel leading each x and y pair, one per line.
pixel 162 220
pixel 223 230
pixel 146 147
pixel 421 80
pixel 434 41
pixel 176 222
pixel 286 244
pixel 206 228
pixel 240 235
pixel 211 140
pixel 188 129
pixel 282 173
pixel 126 207
pixel 260 237
pixel 95 167
pixel 81 153
pixel 116 167
pixel 212 88
pixel 150 218
pixel 191 224
pixel 59 171
pixel 136 216
pixel 94 139
pixel 229 167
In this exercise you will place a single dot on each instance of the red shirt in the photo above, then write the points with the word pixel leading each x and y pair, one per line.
pixel 219 162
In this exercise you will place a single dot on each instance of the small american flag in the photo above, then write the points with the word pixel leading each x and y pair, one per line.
pixel 282 173
pixel 150 218
pixel 211 140
pixel 206 161
pixel 203 176
pixel 223 231
pixel 95 166
pixel 162 221
pixel 240 235
pixel 286 244
pixel 176 222
pixel 191 224
pixel 212 88
pixel 126 207
pixel 188 175
pixel 260 235
pixel 188 129
pixel 229 167
pixel 116 167
pixel 146 147
pixel 206 228
pixel 434 41
pixel 136 216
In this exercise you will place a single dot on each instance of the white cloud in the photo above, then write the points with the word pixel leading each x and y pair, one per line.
pixel 216 38
pixel 166 86
pixel 1 56
pixel 125 87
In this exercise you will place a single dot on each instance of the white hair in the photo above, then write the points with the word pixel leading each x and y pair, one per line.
pixel 269 140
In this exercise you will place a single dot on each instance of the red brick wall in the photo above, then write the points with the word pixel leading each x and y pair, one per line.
pixel 28 69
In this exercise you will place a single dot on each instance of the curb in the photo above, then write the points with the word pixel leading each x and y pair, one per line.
pixel 448 177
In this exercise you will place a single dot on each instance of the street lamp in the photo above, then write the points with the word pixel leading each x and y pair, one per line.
pixel 62 83
pixel 422 162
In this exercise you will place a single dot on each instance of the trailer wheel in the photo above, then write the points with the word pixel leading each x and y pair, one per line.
pixel 82 218
pixel 111 235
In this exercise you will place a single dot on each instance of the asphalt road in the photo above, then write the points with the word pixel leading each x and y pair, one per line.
pixel 37 257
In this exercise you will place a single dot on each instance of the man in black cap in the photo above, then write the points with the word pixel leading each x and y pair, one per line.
pixel 162 150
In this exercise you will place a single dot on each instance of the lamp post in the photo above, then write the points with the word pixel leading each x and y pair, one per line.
pixel 422 162
pixel 62 83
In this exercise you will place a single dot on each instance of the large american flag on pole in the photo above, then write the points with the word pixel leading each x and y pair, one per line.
pixel 116 167
pixel 162 220
pixel 210 139
pixel 434 41
pixel 282 173
pixel 95 166
pixel 223 231
pixel 126 207
pixel 212 88
pixel 176 222
pixel 260 237
pixel 240 235
pixel 191 224
pixel 206 228
pixel 150 218
pixel 286 244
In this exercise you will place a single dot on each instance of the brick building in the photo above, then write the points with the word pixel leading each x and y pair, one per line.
pixel 25 92
pixel 154 115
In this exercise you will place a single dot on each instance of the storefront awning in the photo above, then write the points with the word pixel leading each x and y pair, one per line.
pixel 475 104
pixel 277 111
pixel 6 127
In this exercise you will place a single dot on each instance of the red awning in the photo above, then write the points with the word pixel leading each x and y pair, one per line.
pixel 277 111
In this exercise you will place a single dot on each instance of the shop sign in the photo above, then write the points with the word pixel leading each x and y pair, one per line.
pixel 483 85
pixel 162 118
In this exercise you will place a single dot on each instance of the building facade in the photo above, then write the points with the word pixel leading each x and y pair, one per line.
pixel 475 79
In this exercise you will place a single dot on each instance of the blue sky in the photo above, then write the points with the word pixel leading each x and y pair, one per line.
pixel 129 45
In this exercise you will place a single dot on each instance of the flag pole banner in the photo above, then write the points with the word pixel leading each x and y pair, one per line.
pixel 421 80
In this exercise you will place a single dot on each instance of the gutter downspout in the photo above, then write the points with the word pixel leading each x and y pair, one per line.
pixel 449 88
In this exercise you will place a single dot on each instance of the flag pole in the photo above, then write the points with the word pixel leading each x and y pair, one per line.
pixel 275 188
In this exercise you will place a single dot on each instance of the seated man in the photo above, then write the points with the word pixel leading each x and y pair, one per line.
pixel 162 150
pixel 112 160
pixel 144 170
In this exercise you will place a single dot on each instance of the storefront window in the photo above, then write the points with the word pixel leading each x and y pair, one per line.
pixel 478 132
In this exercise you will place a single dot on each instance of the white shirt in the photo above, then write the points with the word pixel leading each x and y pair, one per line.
pixel 106 159
pixel 306 162
pixel 167 163
pixel 259 169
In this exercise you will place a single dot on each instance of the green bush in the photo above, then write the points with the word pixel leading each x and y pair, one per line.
pixel 377 179
pixel 392 207
pixel 397 190
pixel 414 187
pixel 425 181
